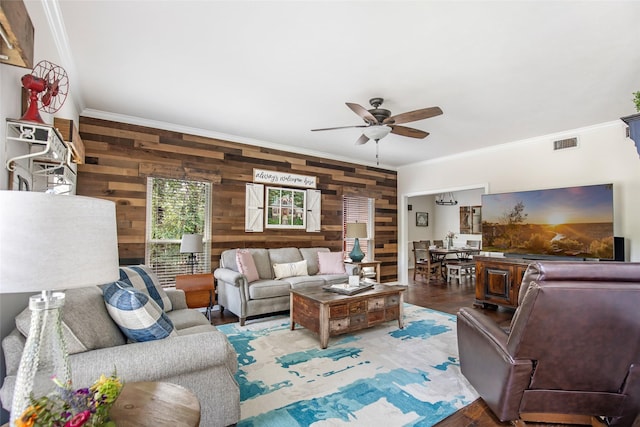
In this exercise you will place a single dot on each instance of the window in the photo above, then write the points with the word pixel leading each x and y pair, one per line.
pixel 176 207
pixel 359 209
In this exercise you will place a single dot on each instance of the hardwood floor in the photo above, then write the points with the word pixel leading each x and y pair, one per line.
pixel 448 298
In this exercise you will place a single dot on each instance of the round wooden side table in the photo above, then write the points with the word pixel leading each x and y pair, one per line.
pixel 155 404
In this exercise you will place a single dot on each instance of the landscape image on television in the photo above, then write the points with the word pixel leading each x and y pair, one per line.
pixel 567 222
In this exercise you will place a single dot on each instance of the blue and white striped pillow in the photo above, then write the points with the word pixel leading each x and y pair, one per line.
pixel 136 314
pixel 142 278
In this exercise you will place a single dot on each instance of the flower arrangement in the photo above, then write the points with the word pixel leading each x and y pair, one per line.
pixel 636 100
pixel 450 235
pixel 68 408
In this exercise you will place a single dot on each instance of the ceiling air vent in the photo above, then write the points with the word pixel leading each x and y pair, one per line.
pixel 563 144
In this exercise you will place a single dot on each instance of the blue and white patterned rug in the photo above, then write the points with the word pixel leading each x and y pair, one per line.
pixel 377 376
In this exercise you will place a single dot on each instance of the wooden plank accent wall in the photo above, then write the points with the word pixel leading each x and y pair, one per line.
pixel 119 157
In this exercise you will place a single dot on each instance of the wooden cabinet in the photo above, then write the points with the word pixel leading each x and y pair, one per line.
pixel 329 314
pixel 498 280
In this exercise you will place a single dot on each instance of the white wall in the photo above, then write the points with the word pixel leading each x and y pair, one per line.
pixel 10 107
pixel 442 219
pixel 604 155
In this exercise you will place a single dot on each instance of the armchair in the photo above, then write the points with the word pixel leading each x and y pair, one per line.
pixel 572 348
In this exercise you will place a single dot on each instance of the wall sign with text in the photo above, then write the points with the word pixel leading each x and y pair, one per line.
pixel 283 178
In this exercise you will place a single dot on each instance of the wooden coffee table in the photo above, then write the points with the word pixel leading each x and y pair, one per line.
pixel 328 313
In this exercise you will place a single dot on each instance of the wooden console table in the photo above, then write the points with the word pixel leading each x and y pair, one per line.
pixel 155 404
pixel 329 313
pixel 498 280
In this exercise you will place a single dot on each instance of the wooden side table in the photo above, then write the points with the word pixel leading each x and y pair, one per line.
pixel 155 404
pixel 199 290
pixel 375 264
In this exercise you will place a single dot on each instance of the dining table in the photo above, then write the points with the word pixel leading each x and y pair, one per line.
pixel 462 253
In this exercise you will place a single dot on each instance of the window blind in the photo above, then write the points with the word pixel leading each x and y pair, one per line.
pixel 176 207
pixel 359 209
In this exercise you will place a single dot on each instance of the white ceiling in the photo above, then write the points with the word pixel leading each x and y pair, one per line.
pixel 271 71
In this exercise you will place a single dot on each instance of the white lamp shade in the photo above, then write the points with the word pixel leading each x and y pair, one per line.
pixel 376 131
pixel 357 229
pixel 56 242
pixel 191 243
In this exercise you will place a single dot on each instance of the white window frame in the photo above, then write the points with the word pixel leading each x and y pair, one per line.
pixel 167 272
pixel 359 209
pixel 254 221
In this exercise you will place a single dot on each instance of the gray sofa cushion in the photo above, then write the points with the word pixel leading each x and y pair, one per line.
pixel 260 258
pixel 299 282
pixel 268 289
pixel 311 255
pixel 228 259
pixel 82 304
pixel 283 256
pixel 183 319
pixel 263 264
pixel 199 329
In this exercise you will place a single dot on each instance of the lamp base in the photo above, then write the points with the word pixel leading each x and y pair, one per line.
pixel 45 353
pixel 356 253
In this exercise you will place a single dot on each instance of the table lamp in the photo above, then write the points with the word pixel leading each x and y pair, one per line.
pixel 191 244
pixel 51 242
pixel 356 230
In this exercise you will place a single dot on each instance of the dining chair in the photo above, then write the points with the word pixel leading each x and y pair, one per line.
pixel 436 264
pixel 439 243
pixel 421 257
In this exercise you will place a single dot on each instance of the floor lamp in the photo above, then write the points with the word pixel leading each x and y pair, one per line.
pixel 191 244
pixel 51 242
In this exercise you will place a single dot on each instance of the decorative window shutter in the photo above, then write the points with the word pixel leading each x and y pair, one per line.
pixel 254 208
pixel 313 210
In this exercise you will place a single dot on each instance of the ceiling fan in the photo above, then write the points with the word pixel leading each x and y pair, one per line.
pixel 379 122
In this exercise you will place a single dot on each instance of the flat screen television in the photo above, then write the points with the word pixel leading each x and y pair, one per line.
pixel 572 222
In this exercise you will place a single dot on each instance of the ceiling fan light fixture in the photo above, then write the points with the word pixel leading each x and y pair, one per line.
pixel 376 132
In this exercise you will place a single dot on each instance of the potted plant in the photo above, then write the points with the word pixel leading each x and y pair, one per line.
pixel 634 121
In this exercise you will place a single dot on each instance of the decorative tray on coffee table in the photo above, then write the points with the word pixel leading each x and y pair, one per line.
pixel 346 289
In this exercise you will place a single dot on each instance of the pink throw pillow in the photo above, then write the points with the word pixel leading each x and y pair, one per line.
pixel 246 265
pixel 331 263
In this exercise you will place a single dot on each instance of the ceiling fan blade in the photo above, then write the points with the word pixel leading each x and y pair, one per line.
pixel 410 132
pixel 341 127
pixel 362 140
pixel 362 112
pixel 413 116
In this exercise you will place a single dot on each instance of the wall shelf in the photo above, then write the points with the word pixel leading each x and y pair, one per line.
pixel 46 164
pixel 45 143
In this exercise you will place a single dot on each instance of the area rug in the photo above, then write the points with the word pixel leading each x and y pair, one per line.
pixel 378 376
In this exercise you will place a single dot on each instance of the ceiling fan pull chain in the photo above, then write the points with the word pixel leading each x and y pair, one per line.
pixel 377 157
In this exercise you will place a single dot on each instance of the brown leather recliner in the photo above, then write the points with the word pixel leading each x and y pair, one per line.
pixel 573 346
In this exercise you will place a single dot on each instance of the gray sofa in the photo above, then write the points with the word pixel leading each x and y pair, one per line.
pixel 268 295
pixel 199 358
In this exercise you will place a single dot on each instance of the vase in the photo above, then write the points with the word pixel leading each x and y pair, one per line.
pixel 449 242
